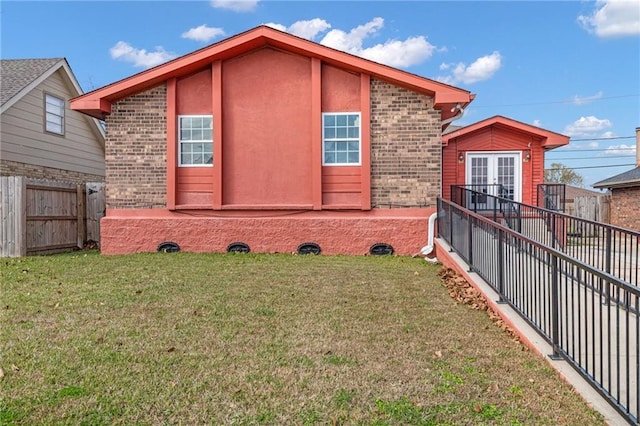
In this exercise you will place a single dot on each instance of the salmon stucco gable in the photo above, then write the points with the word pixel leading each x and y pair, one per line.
pixel 274 141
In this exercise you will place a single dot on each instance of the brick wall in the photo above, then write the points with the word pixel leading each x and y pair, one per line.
pixel 12 168
pixel 625 208
pixel 136 151
pixel 405 147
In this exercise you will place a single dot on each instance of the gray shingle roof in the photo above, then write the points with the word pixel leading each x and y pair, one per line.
pixel 630 178
pixel 16 74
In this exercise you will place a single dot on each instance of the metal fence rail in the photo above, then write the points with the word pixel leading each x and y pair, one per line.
pixel 551 196
pixel 608 248
pixel 589 317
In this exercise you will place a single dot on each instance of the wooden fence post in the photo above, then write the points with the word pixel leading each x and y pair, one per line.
pixel 80 191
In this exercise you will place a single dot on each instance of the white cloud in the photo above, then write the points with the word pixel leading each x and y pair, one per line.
pixel 309 29
pixel 235 5
pixel 140 57
pixel 396 53
pixel 279 27
pixel 444 66
pixel 203 33
pixel 581 100
pixel 623 149
pixel 613 18
pixel 537 123
pixel 587 126
pixel 305 29
pixel 481 69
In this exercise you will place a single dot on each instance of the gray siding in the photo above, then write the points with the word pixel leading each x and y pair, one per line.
pixel 24 140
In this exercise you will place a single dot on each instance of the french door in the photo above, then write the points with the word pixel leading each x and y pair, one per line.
pixel 494 173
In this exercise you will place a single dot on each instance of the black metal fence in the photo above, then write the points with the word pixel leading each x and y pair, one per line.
pixel 608 248
pixel 551 196
pixel 590 317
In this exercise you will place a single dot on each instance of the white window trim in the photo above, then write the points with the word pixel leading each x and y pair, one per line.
pixel 180 141
pixel 63 116
pixel 518 165
pixel 359 163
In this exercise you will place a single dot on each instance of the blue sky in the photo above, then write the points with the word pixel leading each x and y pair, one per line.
pixel 572 67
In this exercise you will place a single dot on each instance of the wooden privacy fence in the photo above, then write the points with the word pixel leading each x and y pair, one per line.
pixel 596 208
pixel 44 216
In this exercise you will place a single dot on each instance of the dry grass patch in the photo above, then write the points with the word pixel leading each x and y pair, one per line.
pixel 259 339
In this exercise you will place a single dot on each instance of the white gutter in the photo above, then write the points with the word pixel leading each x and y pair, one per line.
pixel 426 250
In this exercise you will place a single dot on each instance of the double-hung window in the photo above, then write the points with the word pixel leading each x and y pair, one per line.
pixel 195 140
pixel 54 114
pixel 341 138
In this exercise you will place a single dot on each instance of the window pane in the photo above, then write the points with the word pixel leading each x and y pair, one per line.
pixel 330 133
pixel 354 157
pixel 341 120
pixel 353 132
pixel 185 158
pixel 54 109
pixel 185 122
pixel 341 157
pixel 207 122
pixel 329 157
pixel 329 146
pixel 341 146
pixel 341 132
pixel 353 120
pixel 208 159
pixel 185 135
pixel 54 119
pixel 53 127
pixel 353 146
pixel 329 120
pixel 197 159
pixel 196 135
pixel 206 134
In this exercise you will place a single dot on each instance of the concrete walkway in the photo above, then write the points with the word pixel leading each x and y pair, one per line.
pixel 590 307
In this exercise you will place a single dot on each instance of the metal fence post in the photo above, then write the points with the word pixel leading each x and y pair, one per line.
pixel 501 265
pixel 555 309
pixel 470 243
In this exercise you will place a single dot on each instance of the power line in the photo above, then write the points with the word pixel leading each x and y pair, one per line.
pixel 591 150
pixel 587 158
pixel 566 101
pixel 591 167
pixel 602 139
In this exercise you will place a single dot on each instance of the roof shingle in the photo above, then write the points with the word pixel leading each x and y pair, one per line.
pixel 16 74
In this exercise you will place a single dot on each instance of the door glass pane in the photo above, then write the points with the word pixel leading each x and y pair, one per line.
pixel 506 175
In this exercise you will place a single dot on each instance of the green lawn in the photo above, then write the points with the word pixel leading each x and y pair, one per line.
pixel 259 339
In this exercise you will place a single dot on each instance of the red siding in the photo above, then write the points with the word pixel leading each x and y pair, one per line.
pixel 495 138
pixel 340 90
pixel 194 185
pixel 341 186
pixel 266 104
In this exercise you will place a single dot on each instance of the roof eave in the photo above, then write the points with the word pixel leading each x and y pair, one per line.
pixel 444 95
pixel 619 184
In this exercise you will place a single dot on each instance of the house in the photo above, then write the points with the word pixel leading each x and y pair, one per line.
pixel 625 194
pixel 498 150
pixel 41 136
pixel 586 204
pixel 271 143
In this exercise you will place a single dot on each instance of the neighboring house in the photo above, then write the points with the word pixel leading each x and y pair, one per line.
pixel 498 150
pixel 40 136
pixel 625 194
pixel 586 204
pixel 271 140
